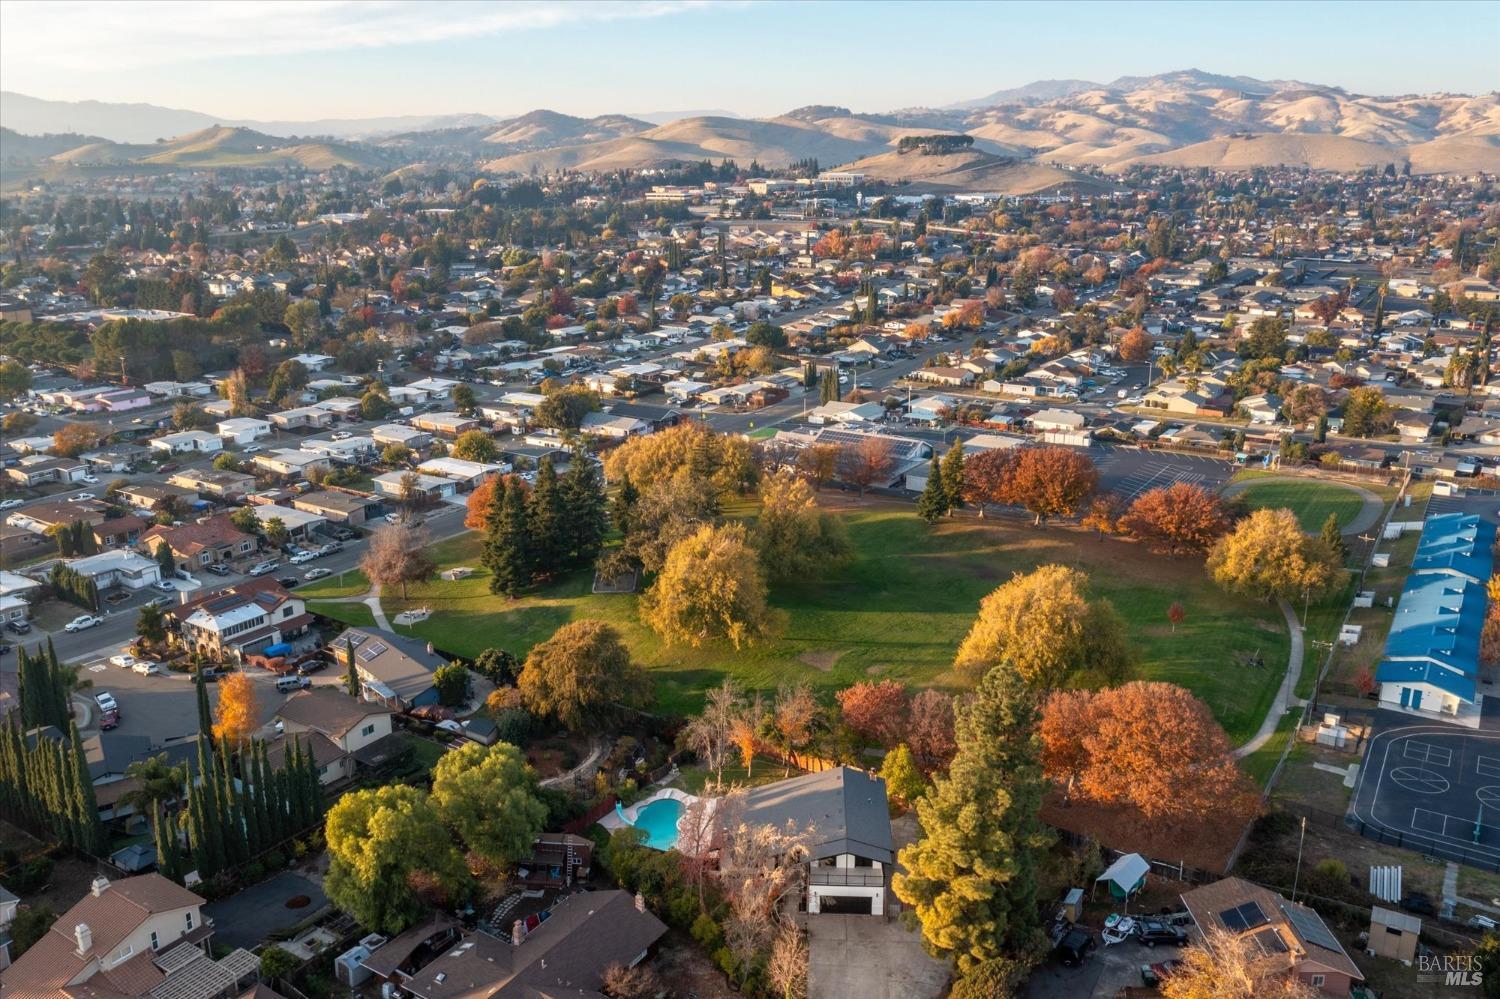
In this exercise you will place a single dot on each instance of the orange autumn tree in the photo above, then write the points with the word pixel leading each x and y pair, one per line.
pixel 478 504
pixel 744 732
pixel 1052 481
pixel 237 717
pixel 875 711
pixel 1135 345
pixel 1180 518
pixel 1152 747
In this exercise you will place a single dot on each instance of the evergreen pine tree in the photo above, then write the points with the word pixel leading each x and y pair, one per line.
pixel 164 838
pixel 972 878
pixel 623 504
pixel 953 477
pixel 582 493
pixel 92 838
pixel 1334 538
pixel 933 503
pixel 205 715
pixel 506 547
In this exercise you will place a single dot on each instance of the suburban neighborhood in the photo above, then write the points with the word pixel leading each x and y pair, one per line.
pixel 457 576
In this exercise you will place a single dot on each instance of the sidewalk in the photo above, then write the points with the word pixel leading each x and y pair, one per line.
pixel 1285 700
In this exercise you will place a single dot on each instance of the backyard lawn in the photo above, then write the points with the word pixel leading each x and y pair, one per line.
pixel 1311 500
pixel 898 609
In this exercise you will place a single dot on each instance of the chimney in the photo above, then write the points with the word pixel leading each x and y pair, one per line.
pixel 517 932
pixel 100 886
pixel 640 902
pixel 85 939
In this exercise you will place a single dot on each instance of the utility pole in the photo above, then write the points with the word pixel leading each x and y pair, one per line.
pixel 1297 876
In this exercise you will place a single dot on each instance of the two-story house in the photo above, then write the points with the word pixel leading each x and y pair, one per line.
pixel 852 854
pixel 343 732
pixel 129 939
pixel 241 619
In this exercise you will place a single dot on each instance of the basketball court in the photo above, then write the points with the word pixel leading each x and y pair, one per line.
pixel 1434 788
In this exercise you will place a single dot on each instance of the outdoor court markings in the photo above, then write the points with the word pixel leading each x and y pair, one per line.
pixel 1140 482
pixel 1489 795
pixel 1419 781
pixel 1487 766
pixel 1426 752
pixel 1425 820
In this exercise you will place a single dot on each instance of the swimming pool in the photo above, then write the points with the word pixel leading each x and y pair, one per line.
pixel 658 820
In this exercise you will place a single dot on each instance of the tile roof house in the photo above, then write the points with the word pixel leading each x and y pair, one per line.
pixel 205 542
pixel 1285 931
pixel 561 952
pixel 393 669
pixel 852 849
pixel 136 937
pixel 1431 661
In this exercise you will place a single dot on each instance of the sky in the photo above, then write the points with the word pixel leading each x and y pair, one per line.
pixel 267 59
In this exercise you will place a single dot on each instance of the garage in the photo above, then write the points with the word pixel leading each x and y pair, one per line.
pixel 846 905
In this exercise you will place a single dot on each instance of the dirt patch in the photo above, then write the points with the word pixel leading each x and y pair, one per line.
pixel 823 661
pixel 878 669
pixel 546 762
pixel 683 964
pixel 298 902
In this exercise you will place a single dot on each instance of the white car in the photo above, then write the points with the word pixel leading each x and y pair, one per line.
pixel 302 558
pixel 124 660
pixel 145 668
pixel 84 496
pixel 90 480
pixel 106 701
pixel 251 448
pixel 83 622
pixel 312 574
pixel 10 504
pixel 341 435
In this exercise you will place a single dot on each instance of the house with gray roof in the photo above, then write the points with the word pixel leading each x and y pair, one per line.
pixel 393 669
pixel 852 852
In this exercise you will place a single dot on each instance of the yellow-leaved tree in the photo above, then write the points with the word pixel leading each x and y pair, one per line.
pixel 1044 627
pixel 237 718
pixel 1267 555
pixel 710 588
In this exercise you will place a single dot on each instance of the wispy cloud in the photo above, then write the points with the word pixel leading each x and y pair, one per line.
pixel 69 35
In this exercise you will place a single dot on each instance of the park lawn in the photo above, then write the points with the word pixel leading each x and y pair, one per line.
pixel 1312 501
pixel 1260 764
pixel 356 614
pixel 897 609
pixel 765 771
pixel 350 583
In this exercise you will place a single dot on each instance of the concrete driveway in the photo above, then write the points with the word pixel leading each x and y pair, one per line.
pixel 869 957
pixel 246 918
pixel 1102 976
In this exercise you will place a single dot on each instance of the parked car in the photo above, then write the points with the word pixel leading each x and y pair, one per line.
pixel 331 547
pixel 83 622
pixel 1073 949
pixel 124 660
pixel 218 569
pixel 312 666
pixel 10 504
pixel 90 480
pixel 109 719
pixel 344 534
pixel 168 468
pixel 20 626
pixel 211 674
pixel 164 585
pixel 312 574
pixel 263 568
pixel 251 448
pixel 145 667
pixel 302 558
pixel 4 648
pixel 287 582
pixel 1153 931
pixel 1153 975
pixel 106 701
pixel 80 497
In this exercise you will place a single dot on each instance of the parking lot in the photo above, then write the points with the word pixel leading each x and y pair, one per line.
pixel 1484 502
pixel 1434 788
pixel 1129 471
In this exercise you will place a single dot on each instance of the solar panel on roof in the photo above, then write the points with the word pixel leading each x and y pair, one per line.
pixel 369 652
pixel 1245 916
pixel 1231 920
pixel 1311 928
pixel 1269 941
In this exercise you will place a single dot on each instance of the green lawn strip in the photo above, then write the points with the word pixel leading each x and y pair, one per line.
pixel 424 752
pixel 1322 626
pixel 1312 501
pixel 346 584
pixel 898 609
pixel 1261 763
pixel 694 779
pixel 350 613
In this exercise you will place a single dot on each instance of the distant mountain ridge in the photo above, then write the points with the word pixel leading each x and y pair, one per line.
pixel 1187 118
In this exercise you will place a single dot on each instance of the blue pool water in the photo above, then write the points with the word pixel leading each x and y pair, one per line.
pixel 658 820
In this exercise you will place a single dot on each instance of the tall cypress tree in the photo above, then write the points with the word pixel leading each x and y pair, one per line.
pixel 584 522
pixel 546 520
pixel 953 477
pixel 205 715
pixel 91 831
pixel 351 674
pixel 164 838
pixel 506 547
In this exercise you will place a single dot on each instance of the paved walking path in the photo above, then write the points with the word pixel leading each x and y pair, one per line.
pixel 1285 700
pixel 1450 888
pixel 596 753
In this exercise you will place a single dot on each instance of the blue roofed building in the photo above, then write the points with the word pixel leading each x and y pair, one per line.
pixel 1430 666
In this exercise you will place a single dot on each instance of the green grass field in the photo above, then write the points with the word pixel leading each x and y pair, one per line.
pixel 344 584
pixel 1310 500
pixel 898 609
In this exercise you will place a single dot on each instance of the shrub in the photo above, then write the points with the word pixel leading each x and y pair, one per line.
pixel 277 963
pixel 707 932
pixel 274 860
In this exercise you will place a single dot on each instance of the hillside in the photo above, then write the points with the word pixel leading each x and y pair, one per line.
pixel 545 129
pixel 216 147
pixel 15 147
pixel 1316 152
pixel 973 170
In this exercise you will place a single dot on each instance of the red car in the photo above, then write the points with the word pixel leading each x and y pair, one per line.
pixel 109 719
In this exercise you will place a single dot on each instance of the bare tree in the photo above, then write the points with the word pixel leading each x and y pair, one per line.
pixel 787 968
pixel 761 871
pixel 397 555
pixel 709 733
pixel 1232 967
pixel 792 717
pixel 638 982
pixel 867 463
